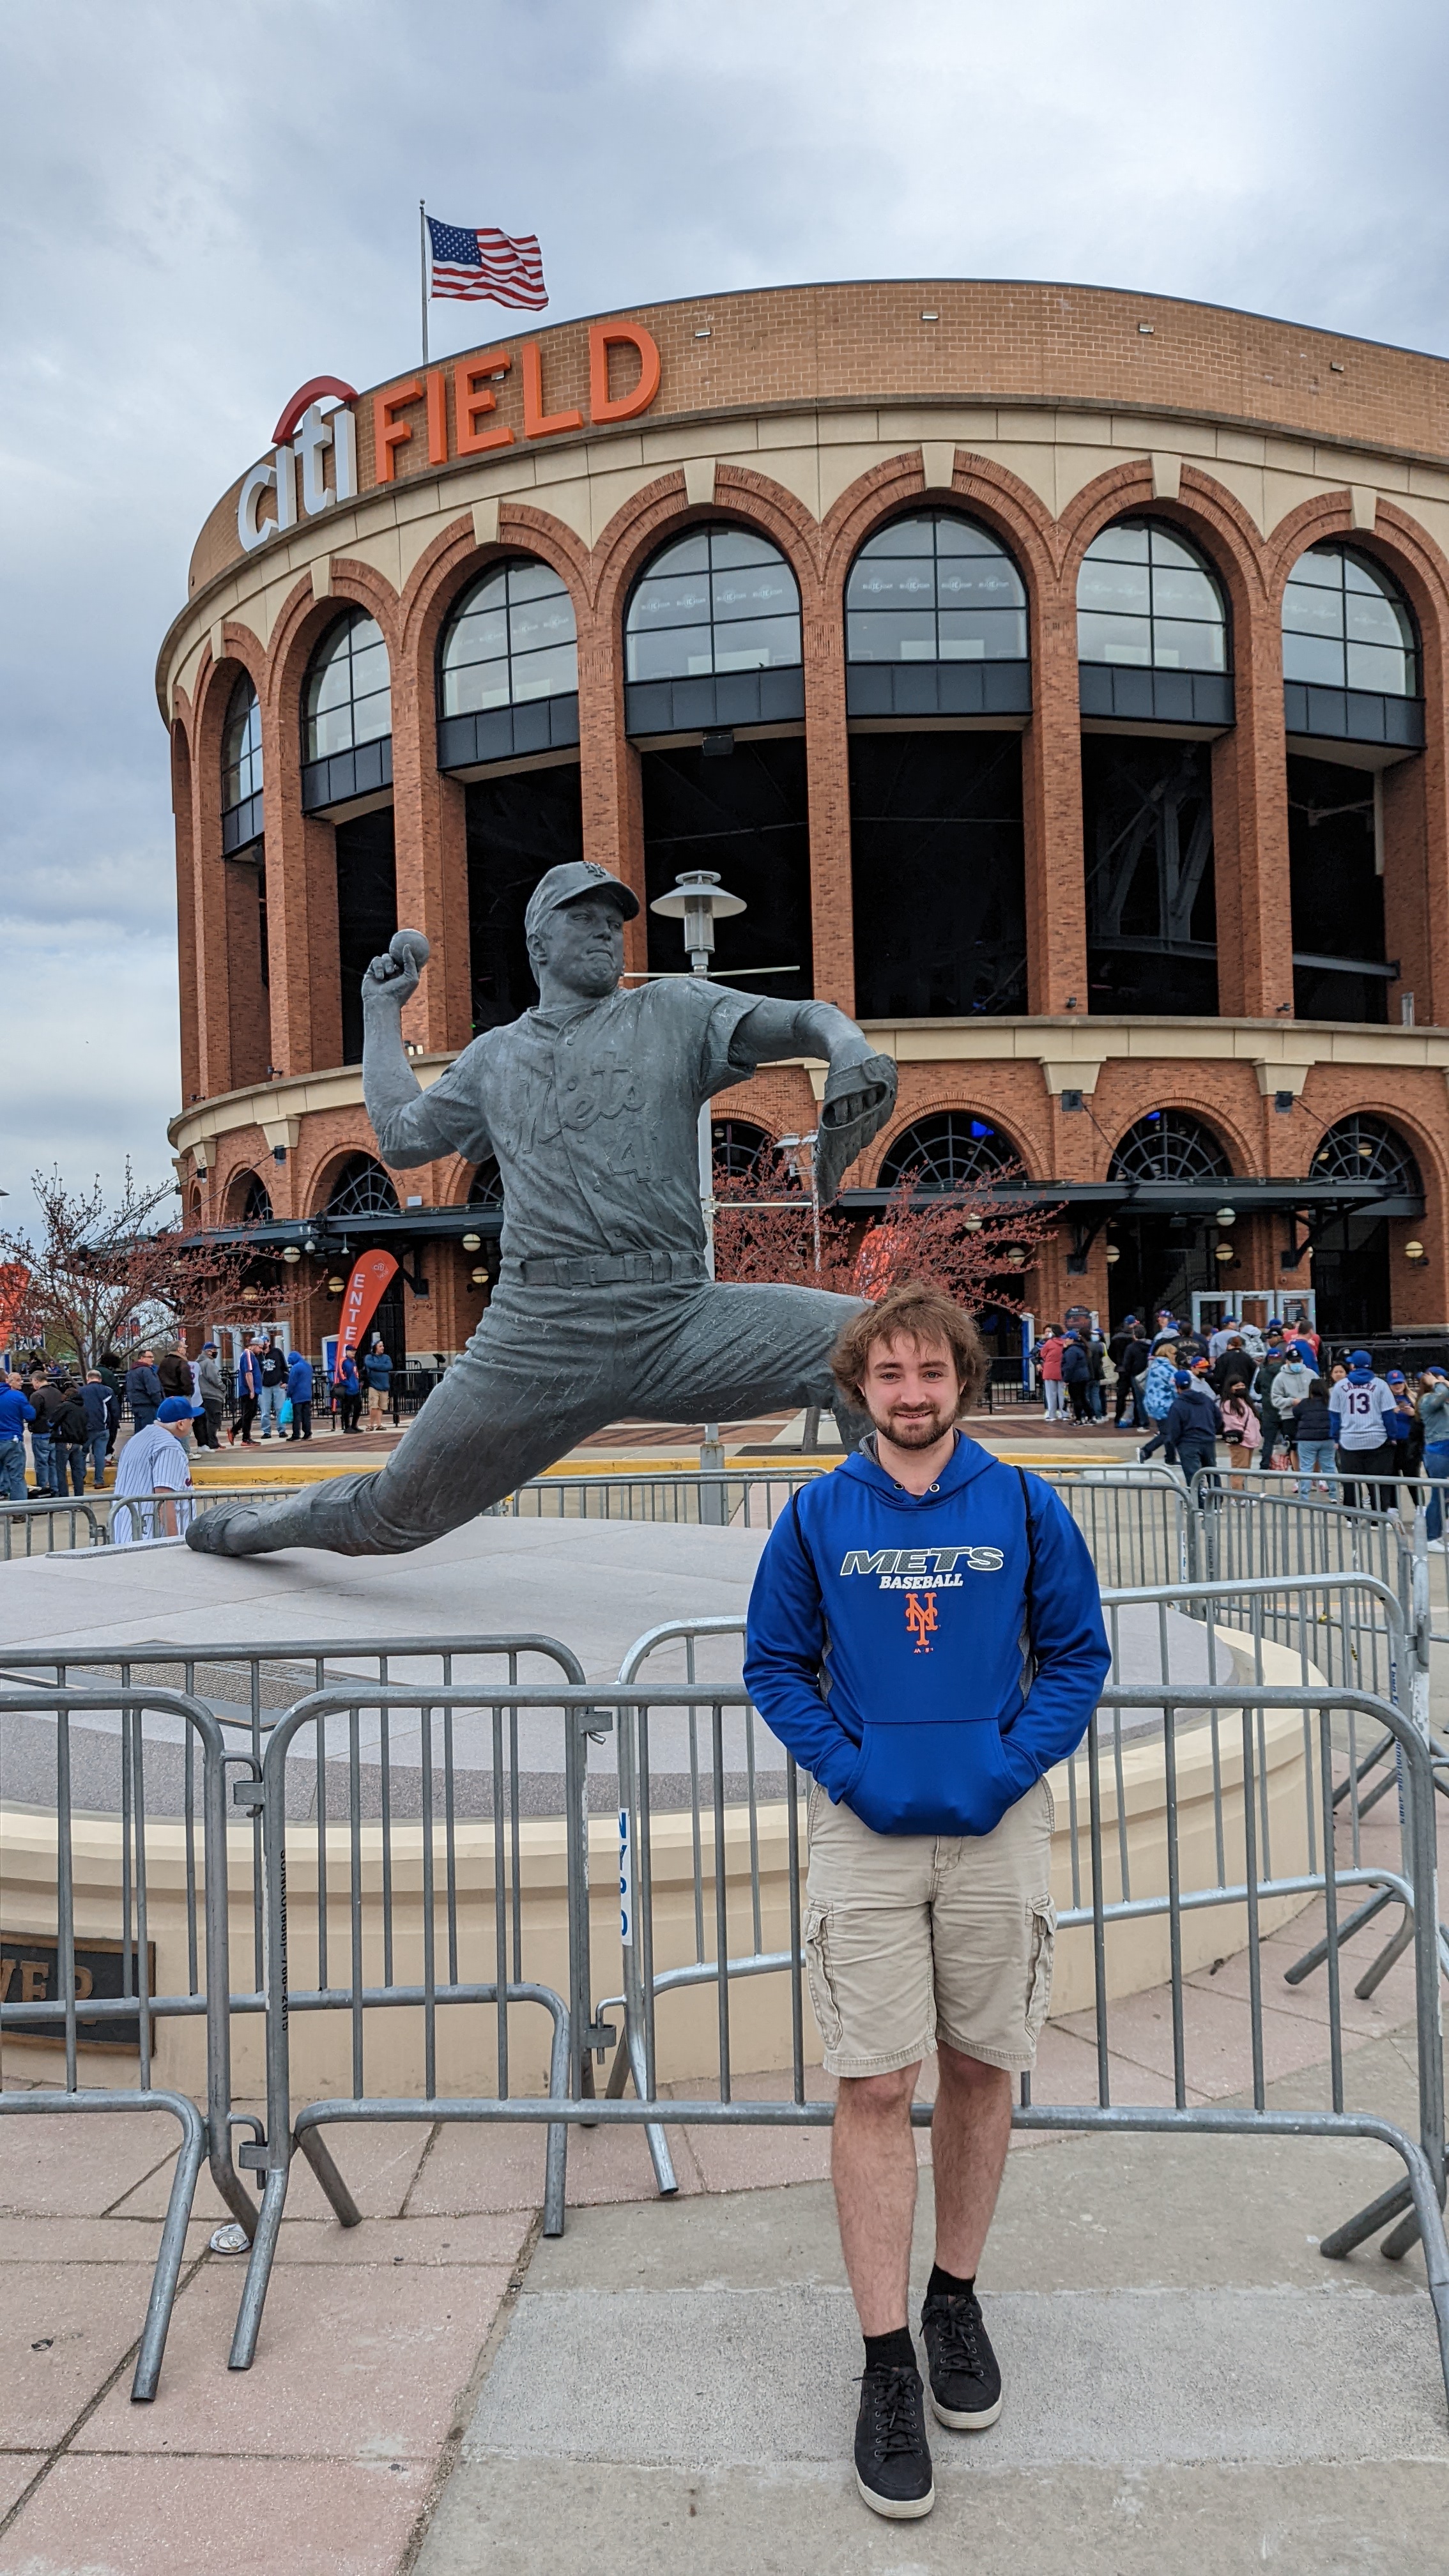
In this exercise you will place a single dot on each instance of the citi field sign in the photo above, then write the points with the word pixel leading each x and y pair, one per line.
pixel 448 411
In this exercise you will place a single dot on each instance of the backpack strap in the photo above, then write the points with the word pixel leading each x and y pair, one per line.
pixel 1030 1529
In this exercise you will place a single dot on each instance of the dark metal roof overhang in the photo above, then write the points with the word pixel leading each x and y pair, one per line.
pixel 1200 1199
pixel 330 1234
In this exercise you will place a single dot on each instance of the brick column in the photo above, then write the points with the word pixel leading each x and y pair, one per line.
pixel 181 806
pixel 1051 784
pixel 1250 831
pixel 301 858
pixel 827 773
pixel 609 780
pixel 432 866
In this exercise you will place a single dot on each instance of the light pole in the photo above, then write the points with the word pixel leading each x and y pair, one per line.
pixel 699 901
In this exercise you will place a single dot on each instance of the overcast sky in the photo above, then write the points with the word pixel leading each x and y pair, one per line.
pixel 203 206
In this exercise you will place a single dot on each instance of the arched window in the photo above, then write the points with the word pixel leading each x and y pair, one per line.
pixel 508 668
pixel 486 1188
pixel 1367 1149
pixel 241 770
pixel 1346 625
pixel 347 714
pixel 255 1200
pixel 1169 1145
pixel 951 1151
pixel 719 599
pixel 1148 600
pixel 737 1146
pixel 360 1187
pixel 934 588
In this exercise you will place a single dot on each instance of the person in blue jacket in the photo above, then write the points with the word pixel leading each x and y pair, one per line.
pixel 16 1415
pixel 925 1635
pixel 299 1392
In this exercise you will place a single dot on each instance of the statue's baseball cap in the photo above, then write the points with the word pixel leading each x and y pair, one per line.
pixel 569 884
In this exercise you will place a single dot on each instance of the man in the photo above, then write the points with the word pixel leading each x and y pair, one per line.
pixel 16 1413
pixel 273 1386
pixel 46 1401
pixel 154 1461
pixel 211 1387
pixel 69 1434
pixel 103 1421
pixel 299 1394
pixel 145 1393
pixel 1130 1356
pixel 1234 1368
pixel 1077 1378
pixel 248 1391
pixel 1193 1425
pixel 954 1684
pixel 590 1104
pixel 1361 1407
pixel 174 1371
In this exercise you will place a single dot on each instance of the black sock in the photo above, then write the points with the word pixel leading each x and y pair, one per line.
pixel 945 2285
pixel 890 2351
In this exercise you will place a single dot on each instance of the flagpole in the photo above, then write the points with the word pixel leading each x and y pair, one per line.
pixel 423 269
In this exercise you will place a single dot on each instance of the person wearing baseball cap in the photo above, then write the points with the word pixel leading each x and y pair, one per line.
pixel 1362 1406
pixel 153 1461
pixel 1434 1419
pixel 606 1305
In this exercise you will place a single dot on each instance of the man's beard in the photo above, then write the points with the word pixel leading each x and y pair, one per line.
pixel 916 1430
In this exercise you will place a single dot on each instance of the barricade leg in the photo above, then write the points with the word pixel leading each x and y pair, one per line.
pixel 319 2156
pixel 259 2271
pixel 178 2208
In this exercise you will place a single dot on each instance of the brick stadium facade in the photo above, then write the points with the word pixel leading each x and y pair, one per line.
pixel 1059 674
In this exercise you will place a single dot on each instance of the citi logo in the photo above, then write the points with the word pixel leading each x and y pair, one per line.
pixel 923 1566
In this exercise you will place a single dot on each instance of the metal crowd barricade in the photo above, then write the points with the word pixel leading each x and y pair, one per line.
pixel 384 1869
pixel 41 1527
pixel 76 2015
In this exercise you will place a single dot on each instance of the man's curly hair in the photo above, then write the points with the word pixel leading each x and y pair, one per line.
pixel 925 1316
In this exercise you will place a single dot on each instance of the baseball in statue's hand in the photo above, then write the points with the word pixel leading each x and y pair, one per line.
pixel 395 977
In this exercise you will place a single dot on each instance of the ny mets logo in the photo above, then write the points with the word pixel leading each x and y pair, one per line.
pixel 922 1619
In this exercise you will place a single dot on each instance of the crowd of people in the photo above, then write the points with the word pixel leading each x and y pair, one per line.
pixel 1345 1431
pixel 73 1417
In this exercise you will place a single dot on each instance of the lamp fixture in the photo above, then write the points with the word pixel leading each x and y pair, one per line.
pixel 335 1287
pixel 1223 1252
pixel 472 1243
pixel 1415 1252
pixel 479 1278
pixel 291 1252
pixel 1113 1252
pixel 1227 1216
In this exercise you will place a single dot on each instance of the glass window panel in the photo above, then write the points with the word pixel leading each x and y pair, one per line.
pixel 1313 658
pixel 1172 553
pixel 554 674
pixel 770 643
pixel 1180 593
pixel 959 537
pixel 674 653
pixel 534 581
pixel 480 638
pixel 674 602
pixel 885 637
pixel 331 731
pixel 1124 588
pixel 1357 575
pixel 364 631
pixel 1118 545
pixel 372 718
pixel 901 537
pixel 1113 639
pixel 331 686
pixel 1372 619
pixel 687 554
pixel 369 671
pixel 534 623
pixel 903 584
pixel 981 581
pixel 490 592
pixel 475 686
pixel 1312 612
pixel 759 590
pixel 1382 667
pixel 730 547
pixel 1181 645
pixel 1324 571
pixel 973 635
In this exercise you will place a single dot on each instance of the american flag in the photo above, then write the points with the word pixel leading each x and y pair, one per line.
pixel 472 262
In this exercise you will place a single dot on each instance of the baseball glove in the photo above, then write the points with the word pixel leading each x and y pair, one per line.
pixel 858 1100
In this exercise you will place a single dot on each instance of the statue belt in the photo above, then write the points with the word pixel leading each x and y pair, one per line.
pixel 608 1269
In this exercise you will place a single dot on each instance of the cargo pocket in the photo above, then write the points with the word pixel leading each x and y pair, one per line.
pixel 817 1974
pixel 1039 1971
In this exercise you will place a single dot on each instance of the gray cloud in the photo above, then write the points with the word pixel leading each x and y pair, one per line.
pixel 201 208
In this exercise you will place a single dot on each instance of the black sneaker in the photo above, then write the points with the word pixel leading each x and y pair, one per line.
pixel 892 2456
pixel 965 2378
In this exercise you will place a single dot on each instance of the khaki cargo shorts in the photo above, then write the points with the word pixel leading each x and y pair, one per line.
pixel 911 1938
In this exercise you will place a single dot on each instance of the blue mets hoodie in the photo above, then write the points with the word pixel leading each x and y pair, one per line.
pixel 926 1657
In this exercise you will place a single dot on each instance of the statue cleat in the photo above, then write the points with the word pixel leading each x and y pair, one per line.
pixel 226 1530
